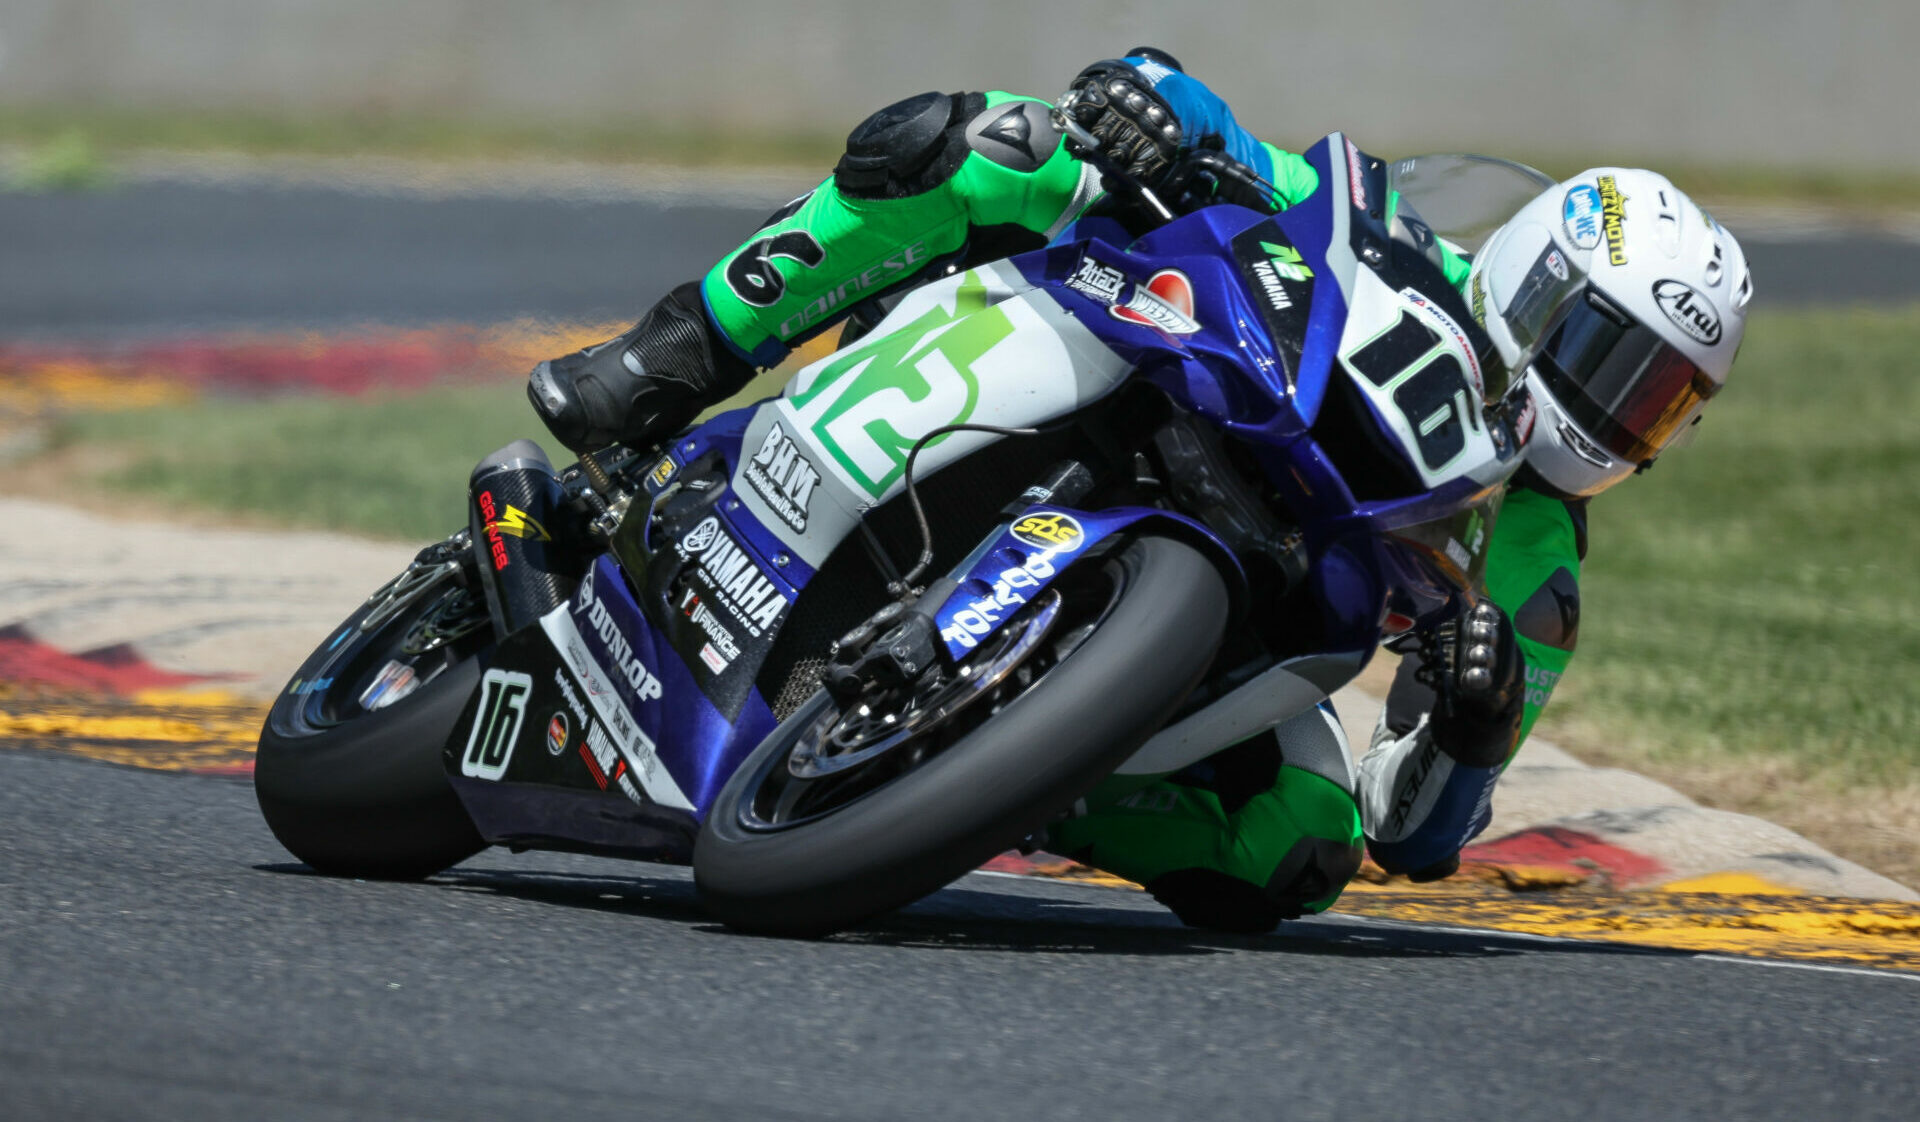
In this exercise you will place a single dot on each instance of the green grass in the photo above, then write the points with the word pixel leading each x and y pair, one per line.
pixel 1754 595
pixel 110 130
pixel 390 466
pixel 352 134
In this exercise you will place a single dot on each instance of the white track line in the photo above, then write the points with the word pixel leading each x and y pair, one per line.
pixel 1787 964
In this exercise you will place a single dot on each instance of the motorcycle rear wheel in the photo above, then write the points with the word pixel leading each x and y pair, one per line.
pixel 1138 633
pixel 356 788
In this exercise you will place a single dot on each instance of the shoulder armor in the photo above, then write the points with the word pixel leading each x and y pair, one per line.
pixel 1018 135
pixel 897 141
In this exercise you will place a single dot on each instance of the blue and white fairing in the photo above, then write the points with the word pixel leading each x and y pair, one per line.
pixel 1343 365
pixel 1340 360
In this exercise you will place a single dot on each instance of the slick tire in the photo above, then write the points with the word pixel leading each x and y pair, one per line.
pixel 1007 777
pixel 368 797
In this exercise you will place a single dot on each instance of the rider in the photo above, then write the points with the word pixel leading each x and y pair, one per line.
pixel 1623 351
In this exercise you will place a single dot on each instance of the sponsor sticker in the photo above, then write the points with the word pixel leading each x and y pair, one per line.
pixel 572 699
pixel 731 578
pixel 616 724
pixel 783 477
pixel 714 660
pixel 1275 270
pixel 602 759
pixel 601 624
pixel 1102 282
pixel 557 732
pixel 703 617
pixel 1613 220
pixel 395 681
pixel 1010 590
pixel 496 545
pixel 1690 311
pixel 1523 421
pixel 1050 531
pixel 1557 265
pixel 881 273
pixel 514 523
pixel 1164 302
pixel 1446 323
pixel 1283 264
pixel 661 472
pixel 1581 213
pixel 1356 179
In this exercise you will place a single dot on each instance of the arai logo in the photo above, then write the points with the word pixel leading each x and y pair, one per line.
pixel 1689 310
pixel 1165 302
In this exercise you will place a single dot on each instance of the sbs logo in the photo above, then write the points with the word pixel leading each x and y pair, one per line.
pixel 1049 531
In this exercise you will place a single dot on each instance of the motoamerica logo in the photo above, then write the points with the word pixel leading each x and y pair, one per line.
pixel 783 477
pixel 735 581
pixel 645 684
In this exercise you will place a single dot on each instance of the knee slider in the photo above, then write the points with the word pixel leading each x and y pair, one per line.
pixel 1311 872
pixel 894 145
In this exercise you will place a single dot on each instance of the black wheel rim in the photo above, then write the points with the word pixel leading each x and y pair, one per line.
pixel 776 799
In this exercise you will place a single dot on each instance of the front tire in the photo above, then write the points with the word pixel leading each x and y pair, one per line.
pixel 1133 659
pixel 362 792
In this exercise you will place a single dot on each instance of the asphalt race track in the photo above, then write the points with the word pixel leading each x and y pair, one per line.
pixel 163 257
pixel 164 957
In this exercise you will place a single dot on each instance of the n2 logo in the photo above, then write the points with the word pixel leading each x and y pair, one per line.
pixel 496 727
pixel 753 276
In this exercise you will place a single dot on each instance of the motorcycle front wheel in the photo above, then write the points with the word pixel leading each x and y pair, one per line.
pixel 840 815
pixel 348 772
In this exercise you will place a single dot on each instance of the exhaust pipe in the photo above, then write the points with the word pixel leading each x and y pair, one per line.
pixel 513 496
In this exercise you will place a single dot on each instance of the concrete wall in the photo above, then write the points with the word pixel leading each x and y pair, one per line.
pixel 1784 82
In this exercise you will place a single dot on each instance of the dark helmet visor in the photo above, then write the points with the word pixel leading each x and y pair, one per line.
pixel 1620 381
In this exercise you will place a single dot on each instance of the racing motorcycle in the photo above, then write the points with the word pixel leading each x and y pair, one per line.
pixel 1097 510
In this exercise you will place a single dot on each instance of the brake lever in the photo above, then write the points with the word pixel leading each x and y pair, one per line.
pixel 1089 150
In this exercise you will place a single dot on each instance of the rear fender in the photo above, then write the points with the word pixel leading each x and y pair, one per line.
pixel 1031 552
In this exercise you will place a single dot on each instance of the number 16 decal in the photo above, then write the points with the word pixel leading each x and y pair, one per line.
pixel 496 727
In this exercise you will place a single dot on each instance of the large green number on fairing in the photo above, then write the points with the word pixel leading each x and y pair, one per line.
pixel 868 406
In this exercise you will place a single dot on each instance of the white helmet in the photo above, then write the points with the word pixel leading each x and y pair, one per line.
pixel 1625 303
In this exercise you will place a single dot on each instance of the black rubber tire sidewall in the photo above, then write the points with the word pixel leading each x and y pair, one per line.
pixel 981 796
pixel 370 797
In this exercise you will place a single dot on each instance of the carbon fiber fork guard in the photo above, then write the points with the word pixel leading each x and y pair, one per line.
pixel 513 495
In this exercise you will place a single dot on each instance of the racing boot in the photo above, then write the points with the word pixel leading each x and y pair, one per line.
pixel 640 387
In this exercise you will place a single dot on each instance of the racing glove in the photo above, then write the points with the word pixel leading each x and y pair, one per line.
pixel 1451 720
pixel 1136 128
pixel 1478 677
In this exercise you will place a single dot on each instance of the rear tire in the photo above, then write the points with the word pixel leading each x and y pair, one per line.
pixel 1002 780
